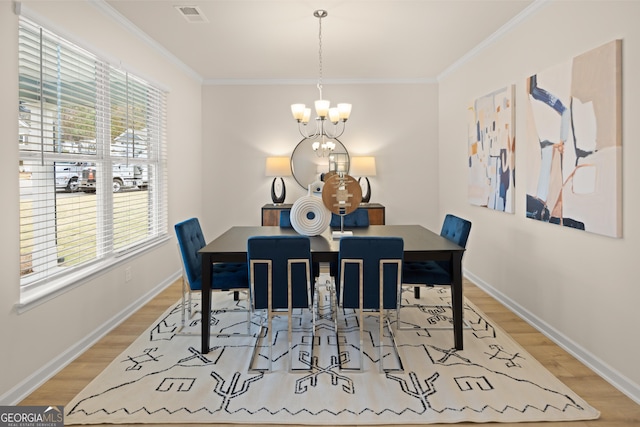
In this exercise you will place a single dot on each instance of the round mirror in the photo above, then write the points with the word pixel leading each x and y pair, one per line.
pixel 308 163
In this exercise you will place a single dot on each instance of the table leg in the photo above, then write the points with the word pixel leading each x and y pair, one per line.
pixel 206 301
pixel 456 297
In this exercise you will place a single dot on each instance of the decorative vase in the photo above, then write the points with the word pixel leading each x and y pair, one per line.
pixel 309 216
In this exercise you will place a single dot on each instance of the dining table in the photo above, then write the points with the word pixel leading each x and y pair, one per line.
pixel 420 244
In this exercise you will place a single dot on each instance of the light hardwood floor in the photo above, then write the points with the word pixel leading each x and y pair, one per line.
pixel 616 409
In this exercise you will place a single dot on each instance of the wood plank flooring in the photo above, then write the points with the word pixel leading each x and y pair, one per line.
pixel 616 409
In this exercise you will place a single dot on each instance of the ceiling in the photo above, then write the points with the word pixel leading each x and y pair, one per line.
pixel 363 40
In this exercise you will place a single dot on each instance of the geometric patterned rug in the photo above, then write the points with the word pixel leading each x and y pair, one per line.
pixel 163 378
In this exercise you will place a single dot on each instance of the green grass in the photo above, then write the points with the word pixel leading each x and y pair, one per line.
pixel 76 219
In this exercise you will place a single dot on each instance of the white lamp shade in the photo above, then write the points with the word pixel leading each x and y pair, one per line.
pixel 322 107
pixel 298 111
pixel 278 166
pixel 363 166
pixel 334 115
pixel 344 111
pixel 306 116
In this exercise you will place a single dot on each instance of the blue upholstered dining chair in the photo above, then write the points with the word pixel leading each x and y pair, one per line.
pixel 357 218
pixel 285 222
pixel 285 219
pixel 280 281
pixel 370 278
pixel 224 276
pixel 434 273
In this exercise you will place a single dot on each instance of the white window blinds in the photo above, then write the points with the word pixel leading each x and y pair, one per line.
pixel 92 159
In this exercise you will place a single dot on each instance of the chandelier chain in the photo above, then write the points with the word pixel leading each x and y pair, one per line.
pixel 334 118
pixel 320 55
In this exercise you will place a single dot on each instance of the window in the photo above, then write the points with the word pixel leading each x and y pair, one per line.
pixel 92 160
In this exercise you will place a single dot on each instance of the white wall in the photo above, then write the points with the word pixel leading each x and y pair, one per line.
pixel 44 338
pixel 576 286
pixel 242 125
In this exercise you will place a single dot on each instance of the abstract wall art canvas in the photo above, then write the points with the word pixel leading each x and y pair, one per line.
pixel 574 142
pixel 492 151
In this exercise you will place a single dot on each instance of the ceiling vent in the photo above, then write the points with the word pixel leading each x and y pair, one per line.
pixel 192 14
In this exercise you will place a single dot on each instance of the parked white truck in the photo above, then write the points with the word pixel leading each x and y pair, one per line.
pixel 128 174
pixel 124 177
pixel 67 175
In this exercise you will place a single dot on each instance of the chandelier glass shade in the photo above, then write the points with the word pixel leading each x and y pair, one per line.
pixel 329 121
pixel 324 148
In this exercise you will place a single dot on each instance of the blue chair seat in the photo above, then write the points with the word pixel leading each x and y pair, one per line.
pixel 357 218
pixel 454 229
pixel 430 273
pixel 224 276
pixel 419 272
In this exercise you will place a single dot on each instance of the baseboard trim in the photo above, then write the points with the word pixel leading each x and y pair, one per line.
pixel 612 376
pixel 42 375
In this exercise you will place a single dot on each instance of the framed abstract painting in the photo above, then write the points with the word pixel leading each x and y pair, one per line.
pixel 492 151
pixel 574 142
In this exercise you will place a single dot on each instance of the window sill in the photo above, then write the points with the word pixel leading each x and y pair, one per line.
pixel 32 298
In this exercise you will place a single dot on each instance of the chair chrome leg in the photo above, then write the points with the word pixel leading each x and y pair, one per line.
pixel 270 335
pixel 187 308
pixel 385 318
pixel 416 328
pixel 255 348
pixel 249 319
pixel 184 301
pixel 290 333
pixel 361 334
pixel 395 348
pixel 380 340
pixel 312 300
pixel 360 264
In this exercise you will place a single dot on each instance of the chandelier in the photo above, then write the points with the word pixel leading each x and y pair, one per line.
pixel 325 113
pixel 324 148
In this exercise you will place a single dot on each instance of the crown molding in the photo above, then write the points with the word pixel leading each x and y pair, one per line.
pixel 501 32
pixel 106 9
pixel 276 82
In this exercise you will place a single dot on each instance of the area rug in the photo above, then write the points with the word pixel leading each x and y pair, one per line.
pixel 163 378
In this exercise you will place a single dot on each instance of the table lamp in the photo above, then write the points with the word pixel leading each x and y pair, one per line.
pixel 278 167
pixel 363 167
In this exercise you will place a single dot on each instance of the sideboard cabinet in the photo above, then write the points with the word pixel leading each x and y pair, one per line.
pixel 271 213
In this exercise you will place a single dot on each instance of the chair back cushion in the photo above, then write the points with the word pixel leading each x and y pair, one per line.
pixel 371 250
pixel 456 230
pixel 190 241
pixel 285 222
pixel 279 249
pixel 357 218
pixel 285 219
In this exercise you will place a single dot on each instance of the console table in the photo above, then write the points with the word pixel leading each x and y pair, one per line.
pixel 271 213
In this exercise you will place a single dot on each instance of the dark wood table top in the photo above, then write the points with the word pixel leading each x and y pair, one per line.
pixel 418 240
